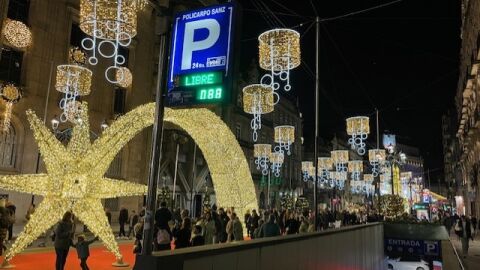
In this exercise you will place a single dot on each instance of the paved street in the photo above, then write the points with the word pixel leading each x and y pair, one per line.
pixel 472 262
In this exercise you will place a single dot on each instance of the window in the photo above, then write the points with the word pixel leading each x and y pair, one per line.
pixel 11 66
pixel 119 100
pixel 8 149
pixel 238 131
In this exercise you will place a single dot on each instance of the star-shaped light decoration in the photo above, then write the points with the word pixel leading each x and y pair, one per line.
pixel 74 182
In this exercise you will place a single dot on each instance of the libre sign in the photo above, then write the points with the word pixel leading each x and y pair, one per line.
pixel 200 55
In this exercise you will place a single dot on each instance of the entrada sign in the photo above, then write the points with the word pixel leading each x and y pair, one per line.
pixel 200 58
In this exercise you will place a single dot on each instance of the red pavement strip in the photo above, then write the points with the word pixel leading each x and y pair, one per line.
pixel 100 259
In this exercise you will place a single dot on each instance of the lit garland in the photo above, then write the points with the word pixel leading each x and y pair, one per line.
pixel 17 34
pixel 11 95
pixel 279 52
pixel 276 159
pixel 284 136
pixel 358 128
pixel 355 167
pixel 324 165
pixel 262 153
pixel 114 22
pixel 377 159
pixel 340 160
pixel 257 100
pixel 74 182
pixel 308 170
pixel 124 77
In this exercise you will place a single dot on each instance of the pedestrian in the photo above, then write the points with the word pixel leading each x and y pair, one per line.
pixel 138 231
pixel 109 216
pixel 447 222
pixel 132 221
pixel 474 225
pixel 303 225
pixel 122 220
pixel 209 230
pixel 164 238
pixel 463 229
pixel 163 216
pixel 197 239
pixel 182 236
pixel 12 208
pixel 63 240
pixel 237 229
pixel 247 221
pixel 270 228
pixel 253 222
pixel 223 219
pixel 83 251
pixel 5 219
pixel 257 233
pixel 292 225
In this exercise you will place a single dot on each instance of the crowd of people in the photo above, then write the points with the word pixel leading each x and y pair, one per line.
pixel 464 227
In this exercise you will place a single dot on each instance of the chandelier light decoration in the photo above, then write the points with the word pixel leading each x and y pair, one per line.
pixel 338 179
pixel 279 52
pixel 284 136
pixel 355 167
pixel 73 80
pixel 262 153
pixel 11 95
pixel 358 128
pixel 308 170
pixel 276 160
pixel 340 160
pixel 17 34
pixel 324 164
pixel 377 159
pixel 257 100
pixel 109 24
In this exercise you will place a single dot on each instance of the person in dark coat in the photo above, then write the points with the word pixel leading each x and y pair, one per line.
pixel 447 222
pixel 132 221
pixel 224 219
pixel 63 240
pixel 83 251
pixel 197 239
pixel 270 228
pixel 182 236
pixel 463 229
pixel 5 219
pixel 163 216
pixel 12 208
pixel 122 220
pixel 292 225
pixel 253 222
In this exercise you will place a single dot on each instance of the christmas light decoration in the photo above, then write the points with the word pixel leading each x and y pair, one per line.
pixel 110 24
pixel 124 77
pixel 358 128
pixel 74 182
pixel 72 80
pixel 276 159
pixel 340 160
pixel 262 153
pixel 377 159
pixel 11 95
pixel 284 136
pixel 81 165
pixel 279 52
pixel 355 167
pixel 368 177
pixel 308 170
pixel 257 100
pixel 324 164
pixel 338 179
pixel 17 34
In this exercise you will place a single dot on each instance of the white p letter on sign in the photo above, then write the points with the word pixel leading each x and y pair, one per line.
pixel 189 45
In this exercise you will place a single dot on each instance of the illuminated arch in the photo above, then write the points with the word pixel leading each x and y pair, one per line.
pixel 226 161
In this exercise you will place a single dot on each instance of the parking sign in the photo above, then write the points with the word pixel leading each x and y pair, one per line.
pixel 200 55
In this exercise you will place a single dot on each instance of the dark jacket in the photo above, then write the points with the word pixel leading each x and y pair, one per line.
pixel 5 218
pixel 468 229
pixel 162 217
pixel 292 225
pixel 270 229
pixel 63 235
pixel 123 216
pixel 182 238
pixel 82 248
pixel 198 240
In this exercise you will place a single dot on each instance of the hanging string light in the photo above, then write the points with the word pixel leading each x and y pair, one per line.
pixel 17 34
pixel 355 167
pixel 324 164
pixel 358 128
pixel 279 52
pixel 276 159
pixel 11 95
pixel 110 24
pixel 308 170
pixel 262 153
pixel 284 136
pixel 340 160
pixel 338 179
pixel 377 159
pixel 257 100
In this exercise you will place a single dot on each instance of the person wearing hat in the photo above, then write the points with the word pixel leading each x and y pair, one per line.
pixel 83 251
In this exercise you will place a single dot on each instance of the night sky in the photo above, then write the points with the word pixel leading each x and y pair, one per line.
pixel 401 58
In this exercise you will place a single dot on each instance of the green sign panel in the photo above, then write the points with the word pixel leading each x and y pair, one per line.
pixel 199 79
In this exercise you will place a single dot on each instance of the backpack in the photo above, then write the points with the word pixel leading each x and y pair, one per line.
pixel 163 237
